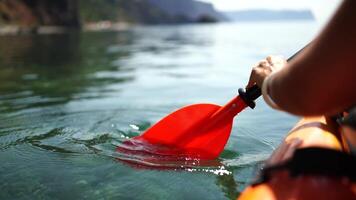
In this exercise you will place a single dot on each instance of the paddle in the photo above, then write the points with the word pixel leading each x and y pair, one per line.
pixel 196 131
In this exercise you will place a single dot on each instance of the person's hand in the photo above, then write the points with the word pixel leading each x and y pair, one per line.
pixel 265 68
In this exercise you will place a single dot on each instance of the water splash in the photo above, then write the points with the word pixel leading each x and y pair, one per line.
pixel 143 155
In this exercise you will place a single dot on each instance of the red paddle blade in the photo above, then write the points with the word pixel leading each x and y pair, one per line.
pixel 189 131
pixel 199 131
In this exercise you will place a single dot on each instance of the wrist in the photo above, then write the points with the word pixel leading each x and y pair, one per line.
pixel 266 92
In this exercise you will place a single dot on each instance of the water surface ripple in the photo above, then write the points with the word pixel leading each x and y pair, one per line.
pixel 68 100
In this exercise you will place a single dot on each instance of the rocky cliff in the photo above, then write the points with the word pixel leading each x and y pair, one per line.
pixel 148 11
pixel 39 12
pixel 129 11
pixel 71 13
pixel 194 10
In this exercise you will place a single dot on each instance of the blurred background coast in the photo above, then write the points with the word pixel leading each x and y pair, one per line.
pixel 42 16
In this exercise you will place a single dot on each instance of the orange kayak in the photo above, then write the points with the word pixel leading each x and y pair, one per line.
pixel 320 133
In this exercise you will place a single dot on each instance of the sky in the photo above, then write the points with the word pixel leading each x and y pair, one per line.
pixel 322 9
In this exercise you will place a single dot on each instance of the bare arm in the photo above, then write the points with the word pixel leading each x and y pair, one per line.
pixel 322 79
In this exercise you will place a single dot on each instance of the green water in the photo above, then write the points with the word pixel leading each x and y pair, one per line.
pixel 67 100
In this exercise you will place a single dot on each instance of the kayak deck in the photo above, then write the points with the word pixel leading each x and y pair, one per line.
pixel 309 132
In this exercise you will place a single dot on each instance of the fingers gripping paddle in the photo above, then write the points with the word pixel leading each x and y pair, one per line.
pixel 199 131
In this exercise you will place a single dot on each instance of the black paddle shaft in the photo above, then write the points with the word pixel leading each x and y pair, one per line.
pixel 251 94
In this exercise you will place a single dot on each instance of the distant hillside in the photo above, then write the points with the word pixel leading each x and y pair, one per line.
pixel 30 13
pixel 269 15
pixel 192 9
pixel 73 13
pixel 130 11
pixel 33 16
pixel 148 11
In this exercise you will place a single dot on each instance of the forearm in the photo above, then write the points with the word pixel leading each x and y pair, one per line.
pixel 318 81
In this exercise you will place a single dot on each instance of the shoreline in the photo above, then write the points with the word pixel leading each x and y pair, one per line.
pixel 46 30
pixel 87 27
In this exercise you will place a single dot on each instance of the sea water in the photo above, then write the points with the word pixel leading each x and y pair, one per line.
pixel 67 100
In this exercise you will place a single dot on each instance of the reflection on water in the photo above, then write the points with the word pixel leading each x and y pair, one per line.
pixel 67 101
pixel 50 70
